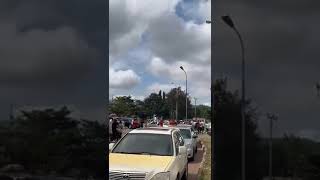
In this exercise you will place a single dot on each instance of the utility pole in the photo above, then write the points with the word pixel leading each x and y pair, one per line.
pixel 177 104
pixel 195 106
pixel 272 118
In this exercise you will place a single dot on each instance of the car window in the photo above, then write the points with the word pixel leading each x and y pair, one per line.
pixel 185 133
pixel 153 144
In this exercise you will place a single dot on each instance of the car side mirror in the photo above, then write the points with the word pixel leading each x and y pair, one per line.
pixel 111 146
pixel 182 150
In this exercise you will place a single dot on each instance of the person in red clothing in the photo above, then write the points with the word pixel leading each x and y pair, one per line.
pixel 161 123
pixel 135 123
pixel 172 122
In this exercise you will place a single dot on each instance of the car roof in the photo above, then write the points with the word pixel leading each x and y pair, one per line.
pixel 153 130
pixel 184 126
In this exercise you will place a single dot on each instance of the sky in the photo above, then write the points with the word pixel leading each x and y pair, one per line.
pixel 282 59
pixel 53 53
pixel 149 40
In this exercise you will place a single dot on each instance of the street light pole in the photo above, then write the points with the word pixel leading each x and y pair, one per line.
pixel 272 118
pixel 195 106
pixel 186 92
pixel 230 23
pixel 212 119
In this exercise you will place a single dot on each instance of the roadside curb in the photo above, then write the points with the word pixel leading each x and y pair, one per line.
pixel 203 159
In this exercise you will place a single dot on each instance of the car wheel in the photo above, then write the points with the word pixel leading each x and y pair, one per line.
pixel 192 158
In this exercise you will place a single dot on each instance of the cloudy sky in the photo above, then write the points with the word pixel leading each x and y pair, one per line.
pixel 53 53
pixel 282 40
pixel 150 39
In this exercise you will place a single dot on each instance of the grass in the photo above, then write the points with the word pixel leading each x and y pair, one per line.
pixel 205 171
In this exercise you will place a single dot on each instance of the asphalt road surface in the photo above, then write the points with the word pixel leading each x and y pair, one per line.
pixel 193 166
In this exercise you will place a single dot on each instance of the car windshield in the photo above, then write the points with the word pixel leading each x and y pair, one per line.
pixel 185 133
pixel 150 144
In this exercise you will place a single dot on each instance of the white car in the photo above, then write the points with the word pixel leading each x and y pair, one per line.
pixel 149 154
pixel 190 139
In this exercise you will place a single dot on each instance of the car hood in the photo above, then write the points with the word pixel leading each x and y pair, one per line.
pixel 133 162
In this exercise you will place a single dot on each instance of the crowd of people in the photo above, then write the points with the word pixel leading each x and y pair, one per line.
pixel 118 125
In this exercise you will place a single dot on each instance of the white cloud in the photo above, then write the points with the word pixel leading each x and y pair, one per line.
pixel 195 72
pixel 199 76
pixel 204 10
pixel 123 79
pixel 173 39
pixel 170 42
pixel 156 87
pixel 129 19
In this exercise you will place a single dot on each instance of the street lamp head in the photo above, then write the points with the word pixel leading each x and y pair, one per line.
pixel 181 67
pixel 228 21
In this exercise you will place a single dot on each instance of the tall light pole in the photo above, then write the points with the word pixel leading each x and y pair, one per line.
pixel 230 23
pixel 195 107
pixel 186 92
pixel 272 118
pixel 213 175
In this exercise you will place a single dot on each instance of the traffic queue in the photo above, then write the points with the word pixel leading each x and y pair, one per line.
pixel 151 150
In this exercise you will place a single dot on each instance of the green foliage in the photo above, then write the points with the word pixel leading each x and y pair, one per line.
pixel 204 112
pixel 49 140
pixel 123 106
pixel 296 157
pixel 227 122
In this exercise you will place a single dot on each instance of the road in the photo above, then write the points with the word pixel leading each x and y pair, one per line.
pixel 193 166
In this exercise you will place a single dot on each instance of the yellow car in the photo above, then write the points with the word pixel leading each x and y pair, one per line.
pixel 149 154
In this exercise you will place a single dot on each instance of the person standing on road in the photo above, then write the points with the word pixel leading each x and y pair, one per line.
pixel 141 122
pixel 119 130
pixel 197 125
pixel 114 129
pixel 161 123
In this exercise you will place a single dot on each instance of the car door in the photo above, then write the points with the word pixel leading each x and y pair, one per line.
pixel 183 157
pixel 176 165
pixel 194 140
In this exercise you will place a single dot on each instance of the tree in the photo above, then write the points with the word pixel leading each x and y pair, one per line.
pixel 176 94
pixel 50 140
pixel 204 112
pixel 123 106
pixel 154 104
pixel 228 135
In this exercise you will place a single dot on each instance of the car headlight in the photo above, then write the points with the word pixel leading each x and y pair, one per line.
pixel 161 176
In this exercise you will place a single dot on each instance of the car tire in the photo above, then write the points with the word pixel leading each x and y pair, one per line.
pixel 192 158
